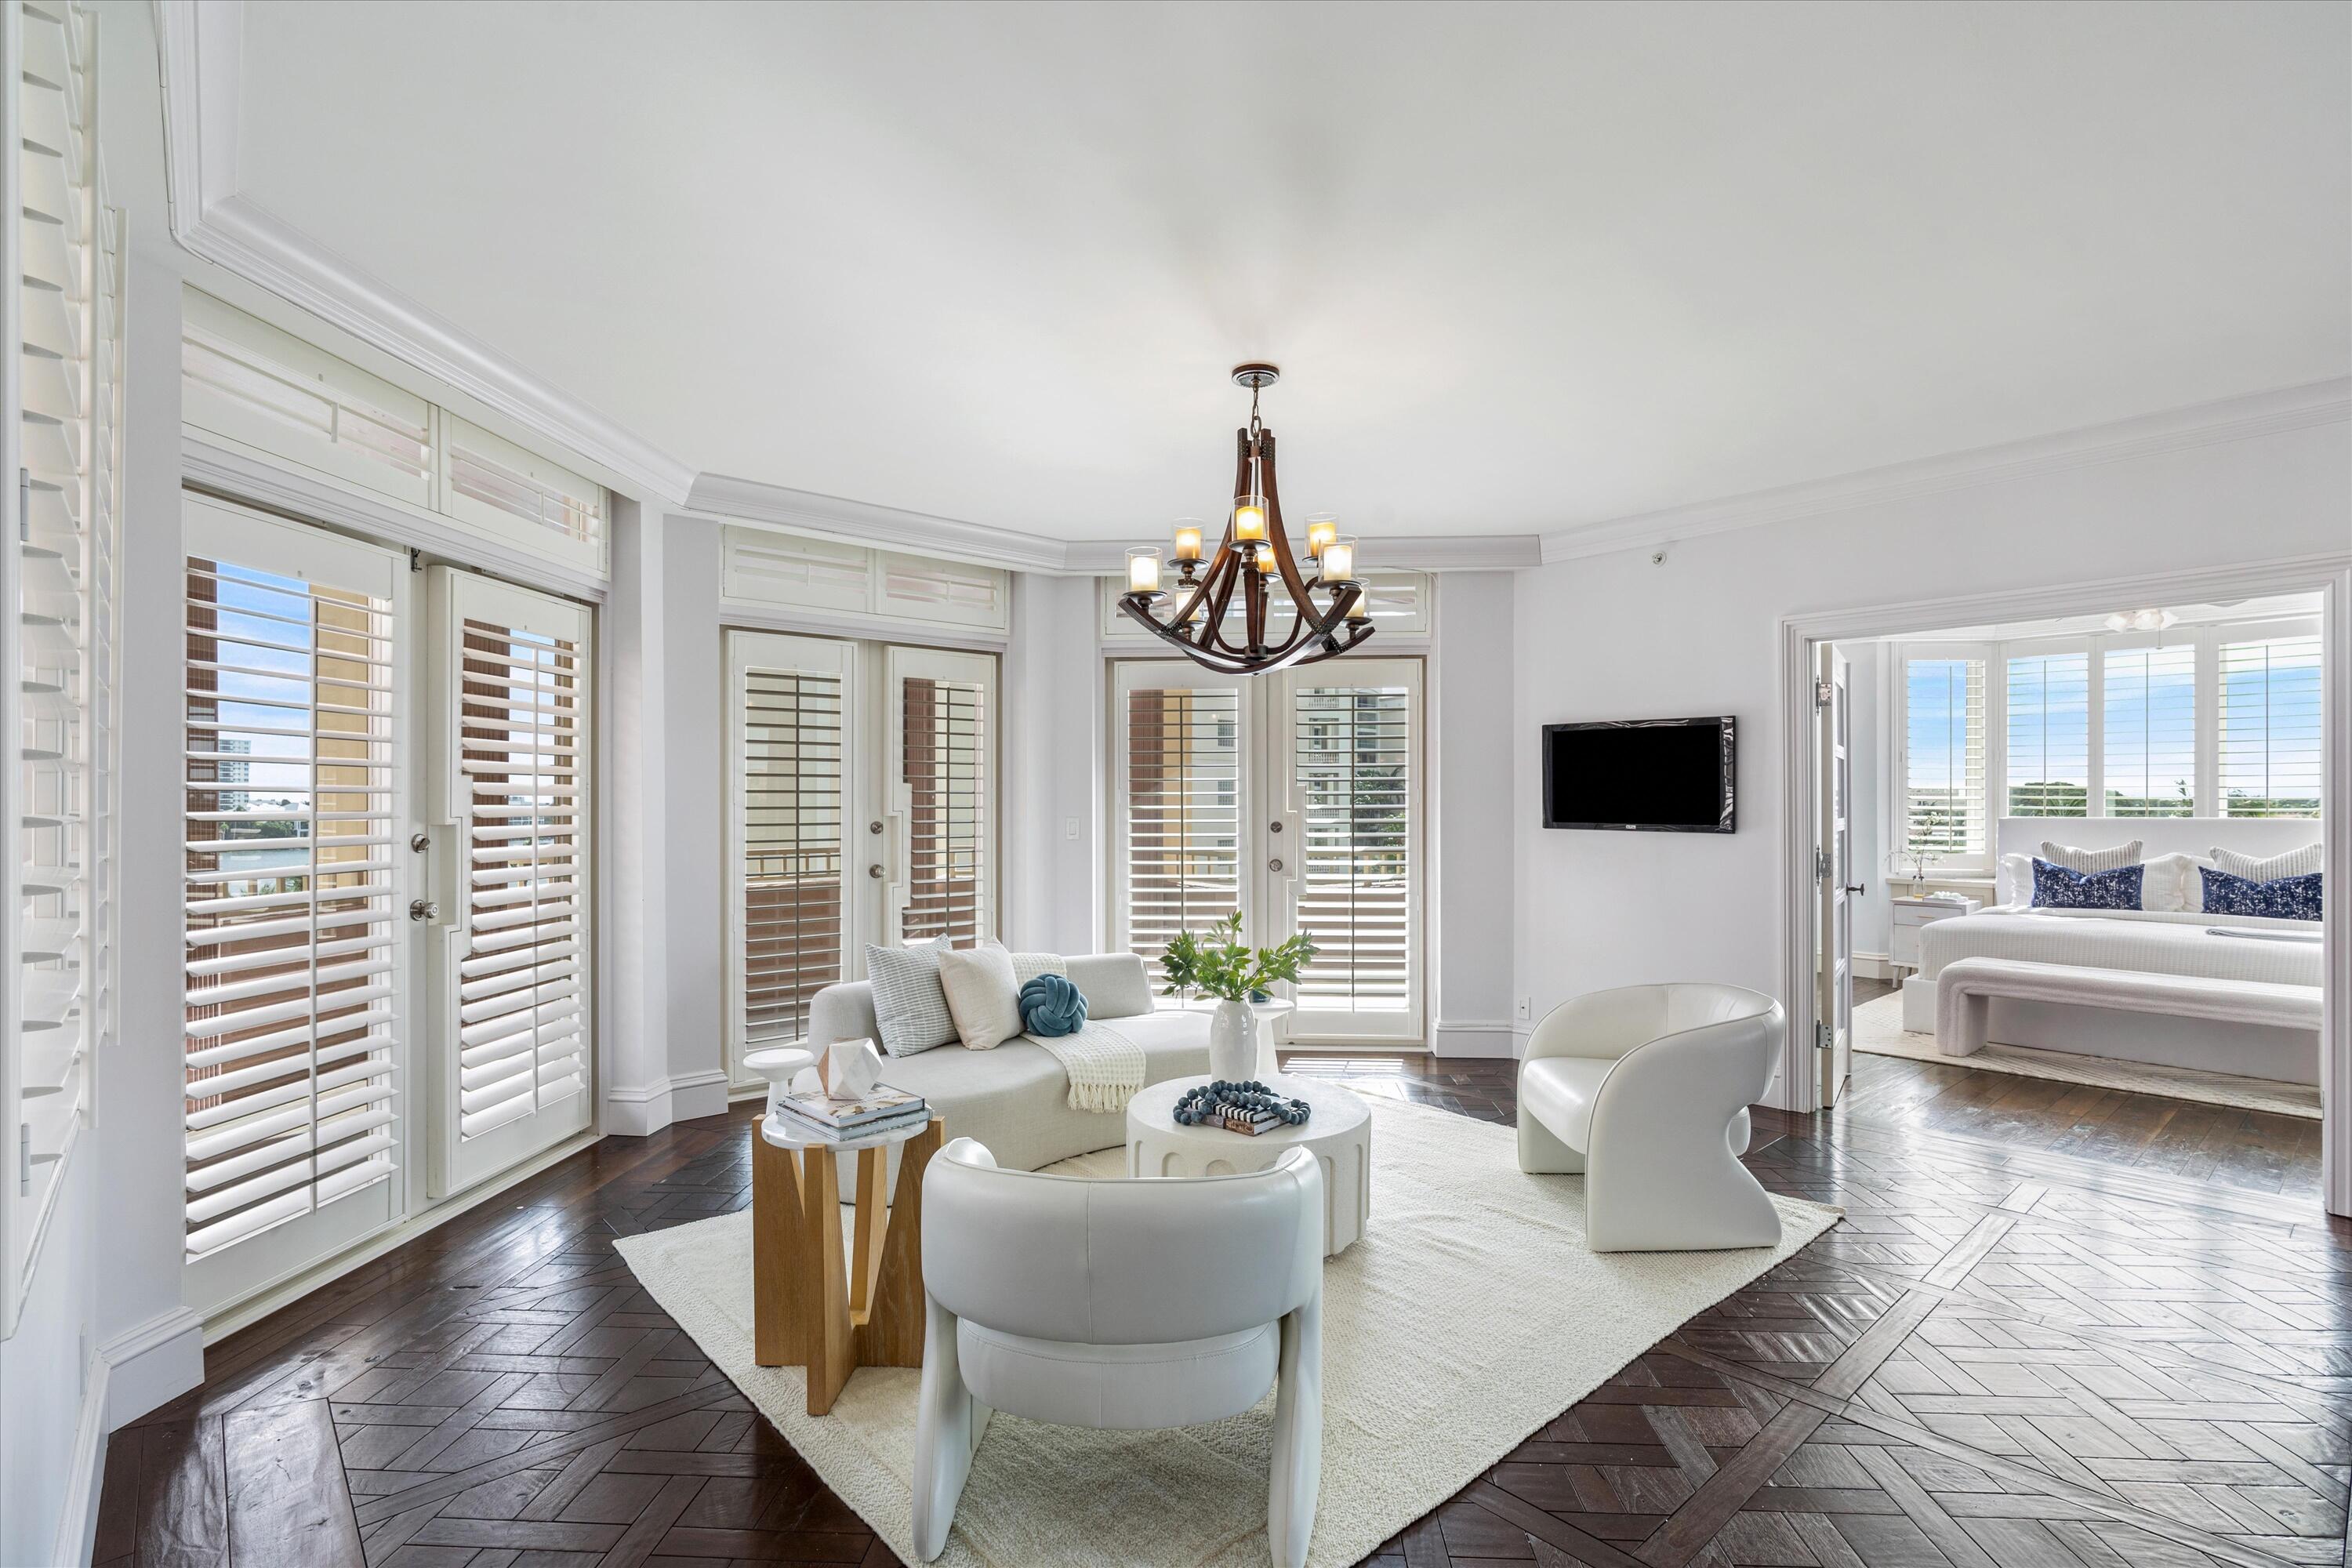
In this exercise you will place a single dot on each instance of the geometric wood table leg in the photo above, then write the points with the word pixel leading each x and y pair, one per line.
pixel 866 1257
pixel 778 1211
pixel 892 1332
pixel 824 1283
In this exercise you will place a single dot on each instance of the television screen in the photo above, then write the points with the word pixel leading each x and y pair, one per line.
pixel 1639 775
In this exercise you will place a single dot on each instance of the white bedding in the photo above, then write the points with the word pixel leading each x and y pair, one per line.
pixel 2161 944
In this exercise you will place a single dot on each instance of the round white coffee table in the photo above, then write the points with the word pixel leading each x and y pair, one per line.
pixel 1338 1129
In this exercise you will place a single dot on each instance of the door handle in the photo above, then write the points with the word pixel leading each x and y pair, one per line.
pixel 424 909
pixel 1863 888
pixel 874 872
pixel 1273 865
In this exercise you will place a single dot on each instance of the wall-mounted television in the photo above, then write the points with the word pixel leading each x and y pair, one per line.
pixel 1639 775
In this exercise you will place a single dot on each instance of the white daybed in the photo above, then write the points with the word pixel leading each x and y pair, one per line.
pixel 2266 954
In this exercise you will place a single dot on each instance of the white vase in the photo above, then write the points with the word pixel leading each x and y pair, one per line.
pixel 1233 1042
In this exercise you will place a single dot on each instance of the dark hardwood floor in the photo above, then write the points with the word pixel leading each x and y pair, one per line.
pixel 2050 1331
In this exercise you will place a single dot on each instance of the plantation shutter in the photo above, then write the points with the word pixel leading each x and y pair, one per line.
pixel 1179 802
pixel 1944 759
pixel 518 703
pixel 788 828
pixel 2271 727
pixel 1354 793
pixel 941 771
pixel 2048 731
pixel 293 932
pixel 2150 739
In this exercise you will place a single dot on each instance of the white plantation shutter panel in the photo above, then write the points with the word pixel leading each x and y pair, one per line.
pixel 523 830
pixel 292 926
pixel 2150 739
pixel 788 826
pixel 2269 727
pixel 1945 758
pixel 943 789
pixel 1180 773
pixel 2047 729
pixel 1355 789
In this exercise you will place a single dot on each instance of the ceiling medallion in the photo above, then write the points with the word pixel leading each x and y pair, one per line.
pixel 1253 555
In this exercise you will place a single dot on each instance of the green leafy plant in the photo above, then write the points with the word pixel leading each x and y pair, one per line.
pixel 1219 963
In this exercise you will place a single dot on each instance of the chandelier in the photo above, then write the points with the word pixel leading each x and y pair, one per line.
pixel 1253 558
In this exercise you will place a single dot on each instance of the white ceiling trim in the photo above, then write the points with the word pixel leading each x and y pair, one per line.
pixel 2203 424
pixel 862 523
pixel 1423 552
pixel 202 62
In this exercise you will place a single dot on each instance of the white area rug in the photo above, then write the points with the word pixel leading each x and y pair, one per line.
pixel 1878 1029
pixel 1469 1315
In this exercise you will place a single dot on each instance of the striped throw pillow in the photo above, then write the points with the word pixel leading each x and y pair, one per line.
pixel 2090 862
pixel 909 1007
pixel 2304 862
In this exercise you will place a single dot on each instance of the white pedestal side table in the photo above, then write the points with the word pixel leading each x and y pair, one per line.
pixel 1338 1129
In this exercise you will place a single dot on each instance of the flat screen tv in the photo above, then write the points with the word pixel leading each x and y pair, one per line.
pixel 1639 775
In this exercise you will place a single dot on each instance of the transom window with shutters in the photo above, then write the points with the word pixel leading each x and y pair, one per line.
pixel 2218 719
pixel 861 782
pixel 1296 798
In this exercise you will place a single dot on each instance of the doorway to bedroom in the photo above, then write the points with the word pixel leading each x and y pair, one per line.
pixel 2064 863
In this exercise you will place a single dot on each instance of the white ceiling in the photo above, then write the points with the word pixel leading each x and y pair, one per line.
pixel 1525 268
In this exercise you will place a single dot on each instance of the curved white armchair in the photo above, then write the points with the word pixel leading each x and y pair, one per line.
pixel 1123 1304
pixel 1645 1089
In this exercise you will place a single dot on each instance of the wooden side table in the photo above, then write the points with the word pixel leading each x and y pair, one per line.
pixel 812 1306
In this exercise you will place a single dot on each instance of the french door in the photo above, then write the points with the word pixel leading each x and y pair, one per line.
pixel 385 829
pixel 1296 798
pixel 861 807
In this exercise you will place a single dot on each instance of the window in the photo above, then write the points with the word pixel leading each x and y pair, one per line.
pixel 1179 767
pixel 2269 727
pixel 2048 734
pixel 2150 719
pixel 1944 759
pixel 1355 773
pixel 789 828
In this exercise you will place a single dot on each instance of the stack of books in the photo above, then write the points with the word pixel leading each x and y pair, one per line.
pixel 818 1117
pixel 1233 1119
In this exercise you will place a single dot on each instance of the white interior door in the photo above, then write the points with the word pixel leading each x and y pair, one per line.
pixel 509 947
pixel 1342 859
pixel 792 833
pixel 1834 874
pixel 297 946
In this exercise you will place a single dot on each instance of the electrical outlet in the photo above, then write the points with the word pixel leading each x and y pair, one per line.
pixel 1526 1006
pixel 1069 827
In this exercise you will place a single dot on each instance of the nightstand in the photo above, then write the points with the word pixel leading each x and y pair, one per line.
pixel 1910 914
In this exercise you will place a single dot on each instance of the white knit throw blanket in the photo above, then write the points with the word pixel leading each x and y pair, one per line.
pixel 1106 1067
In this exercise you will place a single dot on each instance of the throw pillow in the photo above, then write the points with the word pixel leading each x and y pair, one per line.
pixel 2307 861
pixel 982 996
pixel 2062 887
pixel 2171 884
pixel 1028 966
pixel 2279 898
pixel 2014 880
pixel 2113 859
pixel 1052 1006
pixel 909 1008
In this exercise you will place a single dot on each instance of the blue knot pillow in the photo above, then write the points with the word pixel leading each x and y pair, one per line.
pixel 1051 1005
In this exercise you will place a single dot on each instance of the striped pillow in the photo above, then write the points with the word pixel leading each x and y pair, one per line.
pixel 2090 862
pixel 2304 862
pixel 910 1007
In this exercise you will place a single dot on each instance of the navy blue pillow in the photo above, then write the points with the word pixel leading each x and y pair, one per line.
pixel 2287 898
pixel 2057 888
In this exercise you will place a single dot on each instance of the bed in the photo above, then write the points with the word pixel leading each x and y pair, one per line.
pixel 2222 948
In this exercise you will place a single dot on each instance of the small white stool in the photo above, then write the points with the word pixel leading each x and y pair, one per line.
pixel 1338 1129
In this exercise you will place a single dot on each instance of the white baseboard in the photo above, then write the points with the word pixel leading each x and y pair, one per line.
pixel 78 1524
pixel 696 1094
pixel 645 1110
pixel 1473 1037
pixel 1873 967
pixel 157 1362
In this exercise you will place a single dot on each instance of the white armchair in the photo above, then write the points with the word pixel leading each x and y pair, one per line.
pixel 1120 1304
pixel 1645 1089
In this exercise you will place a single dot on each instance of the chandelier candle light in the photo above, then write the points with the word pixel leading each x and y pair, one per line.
pixel 1253 558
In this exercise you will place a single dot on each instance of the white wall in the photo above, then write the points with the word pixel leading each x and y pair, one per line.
pixel 1052 799
pixel 1470 701
pixel 1613 636
pixel 694 688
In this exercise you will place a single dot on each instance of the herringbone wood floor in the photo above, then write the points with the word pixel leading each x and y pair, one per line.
pixel 2006 1356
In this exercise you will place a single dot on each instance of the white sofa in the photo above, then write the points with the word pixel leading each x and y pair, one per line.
pixel 1015 1099
pixel 1123 1305
pixel 1645 1089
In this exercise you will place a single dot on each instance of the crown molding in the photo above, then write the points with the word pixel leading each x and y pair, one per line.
pixel 2179 429
pixel 1419 552
pixel 202 53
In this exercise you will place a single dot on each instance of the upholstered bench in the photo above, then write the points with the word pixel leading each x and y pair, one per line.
pixel 1965 990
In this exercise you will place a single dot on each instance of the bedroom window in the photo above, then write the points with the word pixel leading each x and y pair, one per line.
pixel 2150 722
pixel 2269 727
pixel 1944 759
pixel 2048 734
